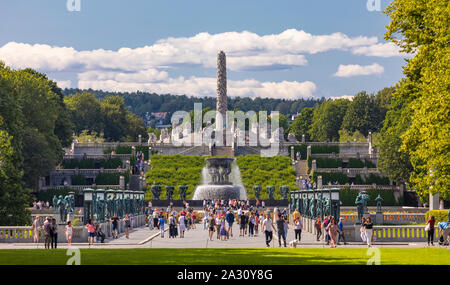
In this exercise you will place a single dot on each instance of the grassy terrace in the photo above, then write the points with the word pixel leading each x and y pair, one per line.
pixel 299 256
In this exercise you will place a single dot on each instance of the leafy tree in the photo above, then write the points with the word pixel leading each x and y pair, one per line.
pixel 422 27
pixel 135 127
pixel 301 125
pixel 362 115
pixel 115 117
pixel 89 136
pixel 13 198
pixel 86 113
pixel 327 120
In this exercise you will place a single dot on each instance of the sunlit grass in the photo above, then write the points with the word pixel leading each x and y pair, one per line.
pixel 299 256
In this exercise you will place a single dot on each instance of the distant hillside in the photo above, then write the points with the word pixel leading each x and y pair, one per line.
pixel 142 102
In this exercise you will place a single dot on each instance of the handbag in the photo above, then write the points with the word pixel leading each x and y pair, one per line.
pixel 427 227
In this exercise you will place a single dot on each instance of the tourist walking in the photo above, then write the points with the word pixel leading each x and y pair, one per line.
pixel 91 231
pixel 230 220
pixel 267 228
pixel 280 230
pixel 223 230
pixel 155 218
pixel 363 229
pixel 115 226
pixel 172 226
pixel 54 233
pixel 298 226
pixel 332 230
pixel 36 227
pixel 429 228
pixel 327 234
pixel 257 221
pixel 218 225
pixel 368 226
pixel 341 231
pixel 161 225
pixel 47 232
pixel 69 232
pixel 211 226
pixel 251 225
pixel 127 226
pixel 182 225
pixel 318 226
pixel 193 217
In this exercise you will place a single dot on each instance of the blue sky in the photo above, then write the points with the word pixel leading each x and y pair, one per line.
pixel 291 49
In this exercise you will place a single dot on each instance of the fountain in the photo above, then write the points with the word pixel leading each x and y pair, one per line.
pixel 221 180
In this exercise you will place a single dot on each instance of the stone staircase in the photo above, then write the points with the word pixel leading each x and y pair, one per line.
pixel 223 151
pixel 302 168
pixel 134 183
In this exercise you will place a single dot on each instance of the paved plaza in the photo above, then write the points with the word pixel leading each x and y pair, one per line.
pixel 198 238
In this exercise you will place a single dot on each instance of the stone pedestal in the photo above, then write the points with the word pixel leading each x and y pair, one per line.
pixel 434 201
pixel 379 218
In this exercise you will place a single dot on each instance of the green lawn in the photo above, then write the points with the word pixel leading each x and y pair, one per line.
pixel 299 256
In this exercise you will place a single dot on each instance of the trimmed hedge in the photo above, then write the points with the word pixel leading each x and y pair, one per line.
pixel 111 178
pixel 341 178
pixel 174 170
pixel 124 149
pixel 348 197
pixel 324 149
pixel 78 180
pixel 178 170
pixel 439 215
pixel 323 162
pixel 299 148
pixel 371 179
pixel 90 163
pixel 358 163
pixel 265 171
pixel 47 195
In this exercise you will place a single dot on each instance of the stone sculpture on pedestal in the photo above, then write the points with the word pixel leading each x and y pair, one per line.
pixel 271 191
pixel 156 191
pixel 257 189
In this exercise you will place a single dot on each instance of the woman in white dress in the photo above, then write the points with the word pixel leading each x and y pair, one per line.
pixel 181 221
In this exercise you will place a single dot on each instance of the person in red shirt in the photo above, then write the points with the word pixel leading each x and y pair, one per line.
pixel 318 228
pixel 430 225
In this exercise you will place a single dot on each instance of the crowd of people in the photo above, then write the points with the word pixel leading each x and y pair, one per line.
pixel 39 205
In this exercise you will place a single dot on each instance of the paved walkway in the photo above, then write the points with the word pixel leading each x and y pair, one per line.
pixel 198 238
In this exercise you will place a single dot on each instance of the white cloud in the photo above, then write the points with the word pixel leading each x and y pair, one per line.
pixel 64 83
pixel 132 69
pixel 245 50
pixel 356 70
pixel 348 97
pixel 196 86
pixel 380 49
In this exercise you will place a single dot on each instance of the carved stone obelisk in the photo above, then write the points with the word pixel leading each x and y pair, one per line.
pixel 221 107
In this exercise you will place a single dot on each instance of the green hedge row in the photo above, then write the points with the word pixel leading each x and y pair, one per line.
pixel 358 163
pixel 299 148
pixel 78 180
pixel 343 179
pixel 174 170
pixel 90 163
pixel 323 162
pixel 124 149
pixel 439 215
pixel 348 197
pixel 47 195
pixel 111 178
pixel 324 149
pixel 265 171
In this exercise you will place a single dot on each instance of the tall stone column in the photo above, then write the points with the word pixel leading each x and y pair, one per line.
pixel 221 107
